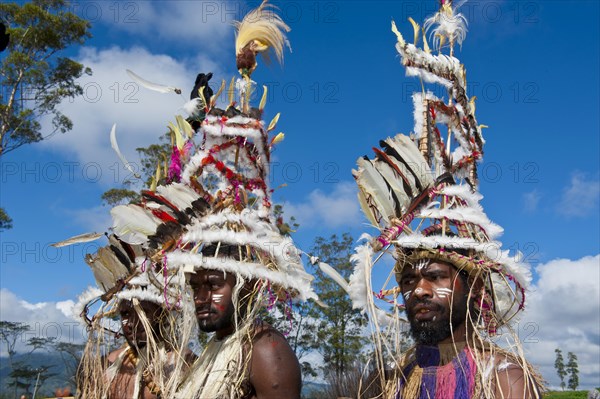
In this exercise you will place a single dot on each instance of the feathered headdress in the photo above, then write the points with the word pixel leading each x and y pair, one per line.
pixel 420 191
pixel 218 191
pixel 261 31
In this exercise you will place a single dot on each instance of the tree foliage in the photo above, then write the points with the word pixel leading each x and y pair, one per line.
pixel 35 78
pixel 559 365
pixel 339 334
pixel 23 376
pixel 10 332
pixel 573 370
pixel 5 220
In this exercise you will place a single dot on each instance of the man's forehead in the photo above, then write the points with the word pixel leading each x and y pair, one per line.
pixel 428 265
pixel 202 274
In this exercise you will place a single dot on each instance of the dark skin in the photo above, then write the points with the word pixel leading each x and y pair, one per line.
pixel 434 295
pixel 274 371
pixel 123 384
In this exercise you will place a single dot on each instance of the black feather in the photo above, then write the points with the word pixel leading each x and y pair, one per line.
pixel 202 80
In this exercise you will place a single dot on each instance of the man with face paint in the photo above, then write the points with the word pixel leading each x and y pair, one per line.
pixel 124 362
pixel 444 301
pixel 224 303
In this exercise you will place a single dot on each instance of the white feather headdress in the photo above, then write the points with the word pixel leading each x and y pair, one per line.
pixel 420 191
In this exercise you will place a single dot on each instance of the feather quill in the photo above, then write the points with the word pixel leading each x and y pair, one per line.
pixel 364 205
pixel 409 153
pixel 115 147
pixel 273 122
pixel 104 278
pixel 87 237
pixel 133 224
pixel 215 97
pixel 152 86
pixel 335 276
pixel 373 184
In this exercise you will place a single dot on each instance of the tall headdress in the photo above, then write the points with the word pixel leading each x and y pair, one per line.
pixel 214 193
pixel 420 192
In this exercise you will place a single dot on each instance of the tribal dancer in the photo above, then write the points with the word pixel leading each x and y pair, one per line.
pixel 236 258
pixel 213 223
pixel 455 285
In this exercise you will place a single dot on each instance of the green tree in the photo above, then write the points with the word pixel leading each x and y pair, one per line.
pixel 35 79
pixel 5 220
pixel 340 335
pixel 70 354
pixel 24 376
pixel 573 370
pixel 150 157
pixel 10 332
pixel 559 365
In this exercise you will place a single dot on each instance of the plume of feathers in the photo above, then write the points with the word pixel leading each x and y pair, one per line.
pixel 447 24
pixel 389 183
pixel 261 30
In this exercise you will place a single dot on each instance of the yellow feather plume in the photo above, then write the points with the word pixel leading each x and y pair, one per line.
pixel 260 30
pixel 416 29
pixel 263 100
pixel 425 45
pixel 273 122
pixel 213 99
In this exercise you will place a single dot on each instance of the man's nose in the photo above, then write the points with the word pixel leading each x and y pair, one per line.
pixel 423 289
pixel 202 295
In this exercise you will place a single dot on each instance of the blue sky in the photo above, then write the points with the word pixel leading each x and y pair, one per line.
pixel 533 65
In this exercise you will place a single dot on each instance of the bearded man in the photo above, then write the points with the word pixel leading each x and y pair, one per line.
pixel 267 365
pixel 443 302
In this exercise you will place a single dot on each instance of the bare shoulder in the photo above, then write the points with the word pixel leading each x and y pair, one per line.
pixel 274 368
pixel 114 355
pixel 514 380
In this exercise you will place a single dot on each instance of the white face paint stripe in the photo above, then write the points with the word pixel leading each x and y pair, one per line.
pixel 217 297
pixel 443 292
pixel 407 294
pixel 421 264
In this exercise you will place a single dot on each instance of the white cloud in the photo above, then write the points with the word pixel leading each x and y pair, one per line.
pixel 45 319
pixel 112 97
pixel 195 25
pixel 96 219
pixel 563 311
pixel 580 198
pixel 337 208
pixel 531 201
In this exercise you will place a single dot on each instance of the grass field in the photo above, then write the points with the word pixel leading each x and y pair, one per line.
pixel 566 395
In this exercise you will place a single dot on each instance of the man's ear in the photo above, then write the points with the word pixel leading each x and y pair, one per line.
pixel 477 290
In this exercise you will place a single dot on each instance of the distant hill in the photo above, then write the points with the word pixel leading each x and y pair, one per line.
pixel 61 379
pixel 36 360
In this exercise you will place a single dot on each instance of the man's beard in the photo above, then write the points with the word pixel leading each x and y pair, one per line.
pixel 431 332
pixel 222 322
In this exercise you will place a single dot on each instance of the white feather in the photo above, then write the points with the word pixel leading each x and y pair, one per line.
pixel 87 237
pixel 178 194
pixel 152 86
pixel 191 107
pixel 103 276
pixel 407 149
pixel 364 205
pixel 335 276
pixel 133 224
pixel 396 183
pixel 373 185
pixel 115 146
